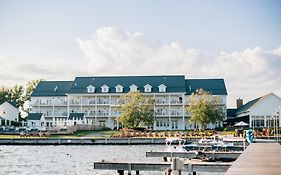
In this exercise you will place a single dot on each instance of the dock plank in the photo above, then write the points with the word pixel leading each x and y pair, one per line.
pixel 258 159
pixel 161 166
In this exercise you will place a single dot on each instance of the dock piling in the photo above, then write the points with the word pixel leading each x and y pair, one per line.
pixel 120 172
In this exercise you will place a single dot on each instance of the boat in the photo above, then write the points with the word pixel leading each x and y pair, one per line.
pixel 175 145
pixel 214 143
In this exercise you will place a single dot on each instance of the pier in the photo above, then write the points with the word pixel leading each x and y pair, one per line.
pixel 191 155
pixel 258 158
pixel 189 166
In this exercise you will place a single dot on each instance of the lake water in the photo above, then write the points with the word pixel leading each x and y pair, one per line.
pixel 71 160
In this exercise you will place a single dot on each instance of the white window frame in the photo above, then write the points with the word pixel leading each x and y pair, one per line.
pixel 119 88
pixel 91 89
pixel 162 88
pixel 104 88
pixel 147 88
pixel 133 88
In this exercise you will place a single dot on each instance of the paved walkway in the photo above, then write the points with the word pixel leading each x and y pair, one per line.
pixel 258 159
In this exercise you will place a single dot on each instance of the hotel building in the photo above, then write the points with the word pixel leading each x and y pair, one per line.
pixel 95 100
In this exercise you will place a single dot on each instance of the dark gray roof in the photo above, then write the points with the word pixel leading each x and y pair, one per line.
pixel 13 103
pixel 34 116
pixel 246 106
pixel 174 83
pixel 231 113
pixel 76 115
pixel 52 88
pixel 213 86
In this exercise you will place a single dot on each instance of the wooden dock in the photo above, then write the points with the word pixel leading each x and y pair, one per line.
pixel 189 166
pixel 191 155
pixel 258 158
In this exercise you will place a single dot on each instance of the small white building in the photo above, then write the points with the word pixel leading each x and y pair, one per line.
pixel 261 112
pixel 36 121
pixel 76 118
pixel 8 112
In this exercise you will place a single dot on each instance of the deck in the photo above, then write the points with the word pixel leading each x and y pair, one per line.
pixel 258 158
pixel 189 166
pixel 213 155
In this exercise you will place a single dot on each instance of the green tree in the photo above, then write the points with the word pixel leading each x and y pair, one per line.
pixel 4 93
pixel 16 93
pixel 136 109
pixel 30 86
pixel 203 108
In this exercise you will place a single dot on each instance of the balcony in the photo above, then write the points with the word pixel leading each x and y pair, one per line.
pixel 60 113
pixel 115 113
pixel 102 101
pixel 162 101
pixel 46 103
pixel 176 113
pixel 176 102
pixel 60 103
pixel 74 102
pixel 158 113
pixel 102 113
pixel 89 102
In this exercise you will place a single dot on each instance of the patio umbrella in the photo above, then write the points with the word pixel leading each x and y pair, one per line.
pixel 241 124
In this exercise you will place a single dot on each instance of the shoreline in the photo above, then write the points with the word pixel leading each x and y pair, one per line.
pixel 81 141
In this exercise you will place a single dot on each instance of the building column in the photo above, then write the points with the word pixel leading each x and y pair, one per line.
pixel 170 121
pixel 183 114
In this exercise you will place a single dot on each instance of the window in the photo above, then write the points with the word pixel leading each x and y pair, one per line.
pixel 104 88
pixel 133 88
pixel 147 88
pixel 119 88
pixel 162 88
pixel 91 89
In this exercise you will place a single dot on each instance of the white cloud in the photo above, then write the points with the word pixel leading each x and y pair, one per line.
pixel 248 73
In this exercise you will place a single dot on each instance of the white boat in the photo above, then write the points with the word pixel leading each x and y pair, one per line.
pixel 175 145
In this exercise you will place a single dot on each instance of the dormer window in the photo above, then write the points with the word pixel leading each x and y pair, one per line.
pixel 162 88
pixel 119 88
pixel 147 88
pixel 104 88
pixel 91 89
pixel 133 88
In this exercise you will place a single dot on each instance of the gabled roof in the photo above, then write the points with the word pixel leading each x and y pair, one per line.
pixel 13 103
pixel 34 116
pixel 246 106
pixel 52 88
pixel 76 116
pixel 174 83
pixel 213 86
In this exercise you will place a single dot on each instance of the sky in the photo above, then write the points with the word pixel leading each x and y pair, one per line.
pixel 237 40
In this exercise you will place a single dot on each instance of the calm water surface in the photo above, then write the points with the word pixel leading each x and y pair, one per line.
pixel 70 160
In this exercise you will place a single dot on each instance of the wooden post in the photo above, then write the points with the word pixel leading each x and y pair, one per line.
pixel 120 172
pixel 189 168
pixel 130 169
pixel 137 172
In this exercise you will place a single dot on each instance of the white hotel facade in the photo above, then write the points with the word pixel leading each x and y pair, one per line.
pixel 95 100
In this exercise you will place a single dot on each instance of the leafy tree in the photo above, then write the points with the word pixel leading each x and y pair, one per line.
pixel 16 93
pixel 136 109
pixel 4 93
pixel 30 86
pixel 204 108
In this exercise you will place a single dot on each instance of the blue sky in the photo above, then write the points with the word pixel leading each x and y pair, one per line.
pixel 46 36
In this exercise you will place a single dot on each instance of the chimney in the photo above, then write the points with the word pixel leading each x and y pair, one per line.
pixel 239 103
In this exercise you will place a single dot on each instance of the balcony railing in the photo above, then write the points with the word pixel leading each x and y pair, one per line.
pixel 162 101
